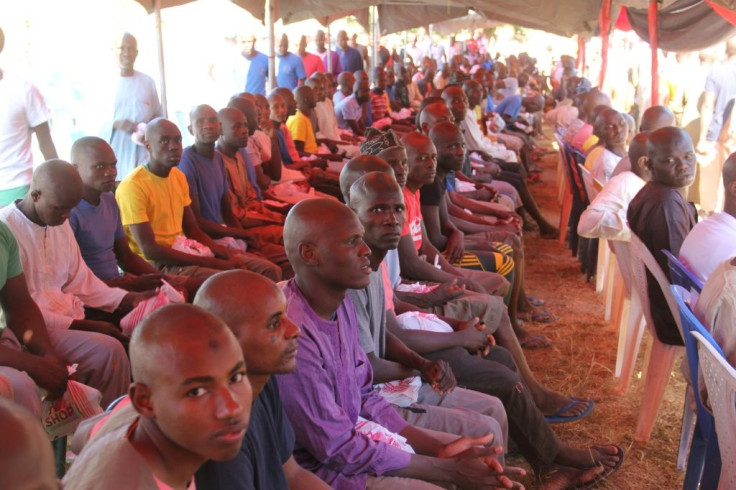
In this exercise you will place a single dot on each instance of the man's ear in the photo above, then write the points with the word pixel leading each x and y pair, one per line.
pixel 35 195
pixel 646 163
pixel 189 127
pixel 309 253
pixel 140 398
pixel 731 189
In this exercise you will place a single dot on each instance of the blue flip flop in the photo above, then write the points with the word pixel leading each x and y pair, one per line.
pixel 535 300
pixel 557 418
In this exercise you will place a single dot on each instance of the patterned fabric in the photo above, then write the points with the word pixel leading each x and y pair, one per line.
pixel 376 141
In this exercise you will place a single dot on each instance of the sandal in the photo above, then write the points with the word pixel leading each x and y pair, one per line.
pixel 535 342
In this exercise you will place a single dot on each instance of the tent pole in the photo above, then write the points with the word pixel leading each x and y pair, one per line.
pixel 604 22
pixel 374 36
pixel 329 45
pixel 270 11
pixel 161 69
pixel 654 43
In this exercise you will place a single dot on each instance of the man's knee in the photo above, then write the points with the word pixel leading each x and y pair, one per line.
pixel 22 389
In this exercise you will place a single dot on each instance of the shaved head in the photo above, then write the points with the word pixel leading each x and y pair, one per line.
pixel 309 222
pixel 368 184
pixel 86 146
pixel 358 166
pixel 165 337
pixel 231 114
pixel 157 126
pixel 434 114
pixel 58 178
pixel 199 111
pixel 414 139
pixel 637 155
pixel 26 458
pixel 248 108
pixel 657 116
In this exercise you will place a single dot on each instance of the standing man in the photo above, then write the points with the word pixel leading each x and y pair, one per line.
pixel 289 67
pixel 336 67
pixel 350 58
pixel 718 95
pixel 312 62
pixel 256 67
pixel 136 102
pixel 22 112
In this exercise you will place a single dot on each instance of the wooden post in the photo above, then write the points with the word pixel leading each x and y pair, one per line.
pixel 654 43
pixel 270 15
pixel 161 68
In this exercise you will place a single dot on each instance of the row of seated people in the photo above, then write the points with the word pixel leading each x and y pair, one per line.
pixel 58 187
pixel 645 179
pixel 190 400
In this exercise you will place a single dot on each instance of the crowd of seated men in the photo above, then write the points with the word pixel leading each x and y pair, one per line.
pixel 399 240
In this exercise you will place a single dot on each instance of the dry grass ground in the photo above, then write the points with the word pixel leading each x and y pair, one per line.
pixel 583 357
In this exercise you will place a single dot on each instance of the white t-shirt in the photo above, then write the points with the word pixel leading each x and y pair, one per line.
pixel 709 243
pixel 21 108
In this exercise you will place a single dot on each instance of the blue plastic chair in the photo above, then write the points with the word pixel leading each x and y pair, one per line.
pixel 704 449
pixel 681 275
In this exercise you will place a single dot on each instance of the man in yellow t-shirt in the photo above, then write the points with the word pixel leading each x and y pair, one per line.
pixel 155 208
pixel 300 124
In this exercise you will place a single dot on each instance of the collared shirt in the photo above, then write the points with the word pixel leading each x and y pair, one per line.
pixel 59 281
pixel 708 244
pixel 605 217
pixel 331 386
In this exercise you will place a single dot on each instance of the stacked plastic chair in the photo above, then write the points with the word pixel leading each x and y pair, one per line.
pixel 662 356
pixel 720 381
pixel 704 448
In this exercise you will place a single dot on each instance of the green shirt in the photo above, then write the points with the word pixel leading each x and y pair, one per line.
pixel 9 257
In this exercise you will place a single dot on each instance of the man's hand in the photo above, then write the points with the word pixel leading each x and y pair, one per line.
pixel 477 467
pixel 477 338
pixel 704 147
pixel 439 375
pixel 50 372
pixel 444 292
pixel 144 282
pixel 455 247
pixel 132 299
pixel 125 125
pixel 471 285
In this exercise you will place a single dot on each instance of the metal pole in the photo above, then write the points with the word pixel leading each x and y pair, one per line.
pixel 329 45
pixel 161 69
pixel 270 14
pixel 654 43
pixel 374 36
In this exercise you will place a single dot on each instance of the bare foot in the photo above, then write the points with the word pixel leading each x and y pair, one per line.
pixel 606 457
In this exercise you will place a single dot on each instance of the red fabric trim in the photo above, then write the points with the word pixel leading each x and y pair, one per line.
pixel 724 12
pixel 654 43
pixel 622 21
pixel 604 22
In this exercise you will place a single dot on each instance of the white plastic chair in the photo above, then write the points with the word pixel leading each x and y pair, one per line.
pixel 720 381
pixel 662 356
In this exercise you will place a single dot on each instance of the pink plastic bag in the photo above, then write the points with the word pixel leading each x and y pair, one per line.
pixel 166 294
pixel 61 417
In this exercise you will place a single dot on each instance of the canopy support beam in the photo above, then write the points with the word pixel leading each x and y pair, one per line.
pixel 270 16
pixel 161 68
pixel 654 43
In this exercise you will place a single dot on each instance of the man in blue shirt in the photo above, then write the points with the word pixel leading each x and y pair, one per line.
pixel 350 58
pixel 256 65
pixel 289 66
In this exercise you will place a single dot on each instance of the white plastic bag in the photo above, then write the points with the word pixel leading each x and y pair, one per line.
pixel 61 417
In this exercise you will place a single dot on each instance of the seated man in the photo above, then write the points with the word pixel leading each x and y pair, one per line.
pixel 326 130
pixel 345 82
pixel 206 178
pixel 348 111
pixel 661 216
pixel 96 224
pixel 332 385
pixel 581 130
pixel 713 240
pixel 32 357
pixel 378 203
pixel 26 458
pixel 451 300
pixel 716 309
pixel 657 116
pixel 190 402
pixel 605 217
pixel 66 291
pixel 611 129
pixel 300 125
pixel 268 340
pixel 155 209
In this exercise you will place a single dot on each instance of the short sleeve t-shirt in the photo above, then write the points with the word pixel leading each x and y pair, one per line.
pixel 21 109
pixel 431 194
pixel 346 110
pixel 96 229
pixel 379 105
pixel 312 63
pixel 413 223
pixel 206 180
pixel 257 69
pixel 268 444
pixel 147 198
pixel 370 308
pixel 301 129
pixel 289 70
pixel 9 256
